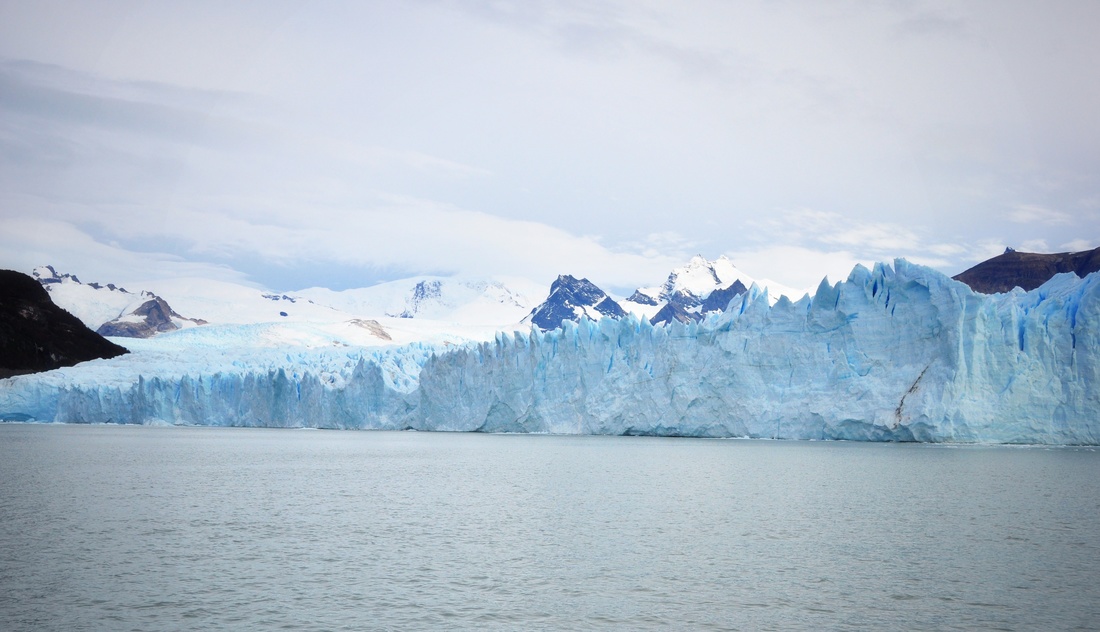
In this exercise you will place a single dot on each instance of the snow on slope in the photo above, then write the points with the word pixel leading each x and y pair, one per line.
pixel 110 310
pixel 465 301
pixel 462 310
pixel 222 302
pixel 894 353
pixel 92 303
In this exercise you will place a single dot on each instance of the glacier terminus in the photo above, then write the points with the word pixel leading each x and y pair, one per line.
pixel 895 353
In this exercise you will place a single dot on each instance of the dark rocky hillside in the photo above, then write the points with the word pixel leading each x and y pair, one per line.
pixel 36 335
pixel 1027 270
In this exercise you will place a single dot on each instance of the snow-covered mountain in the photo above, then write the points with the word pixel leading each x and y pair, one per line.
pixel 699 288
pixel 92 303
pixel 111 310
pixel 464 301
pixel 436 310
pixel 697 279
pixel 223 302
pixel 685 307
pixel 422 308
pixel 689 294
pixel 571 298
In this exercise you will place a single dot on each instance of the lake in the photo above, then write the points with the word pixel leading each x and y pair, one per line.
pixel 145 528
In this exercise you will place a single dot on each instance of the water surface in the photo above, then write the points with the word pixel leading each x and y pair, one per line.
pixel 118 528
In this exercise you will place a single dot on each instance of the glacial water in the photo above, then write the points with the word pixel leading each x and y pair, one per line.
pixel 145 528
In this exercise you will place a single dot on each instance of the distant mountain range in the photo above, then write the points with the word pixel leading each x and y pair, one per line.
pixel 1026 270
pixel 689 293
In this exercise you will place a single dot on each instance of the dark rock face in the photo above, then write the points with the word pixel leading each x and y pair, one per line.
pixel 36 335
pixel 422 291
pixel 608 307
pixel 568 293
pixel 1027 270
pixel 150 318
pixel 720 299
pixel 673 311
pixel 682 305
pixel 642 299
pixel 683 298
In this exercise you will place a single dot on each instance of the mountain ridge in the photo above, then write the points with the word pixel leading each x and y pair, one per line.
pixel 1026 270
pixel 109 309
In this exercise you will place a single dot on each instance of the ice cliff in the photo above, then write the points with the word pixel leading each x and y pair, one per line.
pixel 895 353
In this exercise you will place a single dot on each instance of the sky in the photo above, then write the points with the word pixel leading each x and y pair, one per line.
pixel 288 144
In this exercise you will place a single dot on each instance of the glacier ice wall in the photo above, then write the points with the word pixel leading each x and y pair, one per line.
pixel 898 353
pixel 895 353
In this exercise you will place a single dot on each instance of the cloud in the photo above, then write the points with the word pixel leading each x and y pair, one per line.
pixel 1079 245
pixel 796 266
pixel 1034 245
pixel 1031 214
pixel 829 230
pixel 669 244
pixel 874 237
pixel 28 242
pixel 404 236
pixel 928 23
pixel 799 246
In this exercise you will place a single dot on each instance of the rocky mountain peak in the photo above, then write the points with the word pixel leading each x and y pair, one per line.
pixel 569 299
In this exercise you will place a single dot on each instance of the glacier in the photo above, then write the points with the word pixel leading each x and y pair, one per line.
pixel 895 353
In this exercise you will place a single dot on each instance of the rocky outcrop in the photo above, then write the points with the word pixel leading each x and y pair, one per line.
pixel 372 326
pixel 685 307
pixel 36 335
pixel 719 299
pixel 152 317
pixel 1027 270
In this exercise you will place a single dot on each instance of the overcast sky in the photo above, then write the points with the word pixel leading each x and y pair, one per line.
pixel 293 144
